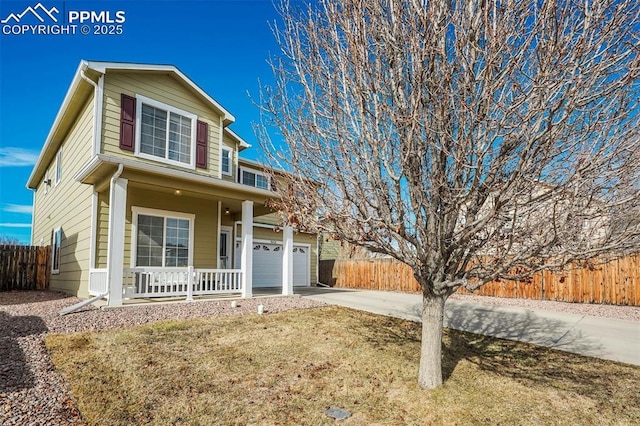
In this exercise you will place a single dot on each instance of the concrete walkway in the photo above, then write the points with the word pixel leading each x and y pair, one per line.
pixel 605 338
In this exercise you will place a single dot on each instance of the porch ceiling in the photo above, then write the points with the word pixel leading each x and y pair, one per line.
pixel 153 179
pixel 181 191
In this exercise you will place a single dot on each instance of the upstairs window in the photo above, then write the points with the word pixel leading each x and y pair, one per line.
pixel 165 133
pixel 226 161
pixel 255 178
pixel 58 167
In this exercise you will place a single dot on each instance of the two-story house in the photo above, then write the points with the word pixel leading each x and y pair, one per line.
pixel 141 192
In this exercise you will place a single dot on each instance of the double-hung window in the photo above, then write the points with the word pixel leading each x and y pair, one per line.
pixel 163 239
pixel 226 161
pixel 165 133
pixel 254 178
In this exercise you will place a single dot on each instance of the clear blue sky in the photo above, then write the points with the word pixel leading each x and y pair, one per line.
pixel 222 45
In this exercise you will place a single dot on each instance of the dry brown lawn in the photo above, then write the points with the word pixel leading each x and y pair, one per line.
pixel 288 368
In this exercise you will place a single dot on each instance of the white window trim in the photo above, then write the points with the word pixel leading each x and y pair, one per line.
pixel 230 156
pixel 257 173
pixel 230 246
pixel 53 251
pixel 159 213
pixel 140 99
pixel 58 167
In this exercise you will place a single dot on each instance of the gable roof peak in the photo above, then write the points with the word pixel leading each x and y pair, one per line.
pixel 104 67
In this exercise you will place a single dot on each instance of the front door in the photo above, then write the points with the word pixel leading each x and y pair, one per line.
pixel 224 246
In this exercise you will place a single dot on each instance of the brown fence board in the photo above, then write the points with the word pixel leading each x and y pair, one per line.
pixel 616 282
pixel 24 267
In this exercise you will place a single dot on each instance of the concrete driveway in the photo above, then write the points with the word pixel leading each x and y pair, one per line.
pixel 605 338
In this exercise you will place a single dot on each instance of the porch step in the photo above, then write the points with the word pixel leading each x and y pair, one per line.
pixel 81 305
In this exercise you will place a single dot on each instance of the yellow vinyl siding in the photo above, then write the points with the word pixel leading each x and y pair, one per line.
pixel 162 88
pixel 102 229
pixel 330 249
pixel 228 220
pixel 68 205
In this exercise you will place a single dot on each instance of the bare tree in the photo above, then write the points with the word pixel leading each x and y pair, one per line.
pixel 7 240
pixel 471 140
pixel 341 250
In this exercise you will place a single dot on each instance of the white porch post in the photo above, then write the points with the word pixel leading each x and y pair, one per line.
pixel 115 244
pixel 190 276
pixel 287 261
pixel 247 248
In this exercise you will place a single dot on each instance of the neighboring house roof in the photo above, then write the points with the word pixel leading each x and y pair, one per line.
pixel 254 164
pixel 241 142
pixel 86 76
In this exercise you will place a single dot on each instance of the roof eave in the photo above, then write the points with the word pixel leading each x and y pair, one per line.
pixel 243 144
pixel 32 182
pixel 158 169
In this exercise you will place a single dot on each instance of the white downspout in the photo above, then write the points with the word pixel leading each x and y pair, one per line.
pixel 97 109
pixel 117 174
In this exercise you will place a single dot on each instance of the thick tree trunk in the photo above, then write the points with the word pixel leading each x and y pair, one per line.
pixel 430 373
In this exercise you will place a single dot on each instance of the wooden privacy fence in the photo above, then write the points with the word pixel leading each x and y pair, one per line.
pixel 370 274
pixel 24 267
pixel 615 283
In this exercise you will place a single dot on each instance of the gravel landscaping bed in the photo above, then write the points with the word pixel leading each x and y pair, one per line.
pixel 32 393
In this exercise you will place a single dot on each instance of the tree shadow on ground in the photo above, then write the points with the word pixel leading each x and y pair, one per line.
pixel 496 345
pixel 15 373
pixel 605 382
pixel 18 297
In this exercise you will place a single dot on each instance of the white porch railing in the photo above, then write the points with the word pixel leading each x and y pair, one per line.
pixel 217 281
pixel 179 282
pixel 98 282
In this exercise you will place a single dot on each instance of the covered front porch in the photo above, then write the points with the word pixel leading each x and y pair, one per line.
pixel 170 238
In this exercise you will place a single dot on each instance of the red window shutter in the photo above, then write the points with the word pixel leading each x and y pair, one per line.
pixel 127 123
pixel 202 135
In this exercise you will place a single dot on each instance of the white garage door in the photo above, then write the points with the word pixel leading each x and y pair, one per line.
pixel 267 264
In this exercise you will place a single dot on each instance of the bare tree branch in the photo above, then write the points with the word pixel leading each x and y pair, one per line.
pixel 471 140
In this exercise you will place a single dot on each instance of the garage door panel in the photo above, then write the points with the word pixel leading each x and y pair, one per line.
pixel 300 266
pixel 267 265
pixel 266 258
